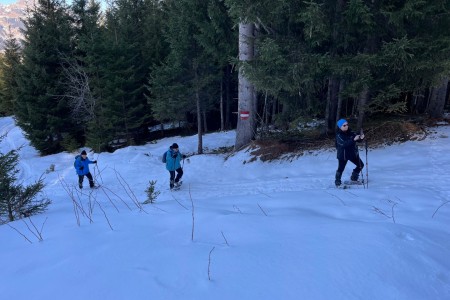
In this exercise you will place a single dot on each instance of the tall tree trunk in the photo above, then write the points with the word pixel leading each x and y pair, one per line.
pixel 227 97
pixel 332 103
pixel 333 81
pixel 199 109
pixel 199 123
pixel 246 127
pixel 363 99
pixel 438 98
pixel 222 119
pixel 205 123
pixel 339 103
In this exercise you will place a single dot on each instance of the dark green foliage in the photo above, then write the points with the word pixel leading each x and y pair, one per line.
pixel 122 73
pixel 9 63
pixel 16 200
pixel 147 61
pixel 42 109
pixel 151 192
pixel 387 50
pixel 201 42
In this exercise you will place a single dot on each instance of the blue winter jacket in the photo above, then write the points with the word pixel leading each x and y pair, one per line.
pixel 82 165
pixel 173 160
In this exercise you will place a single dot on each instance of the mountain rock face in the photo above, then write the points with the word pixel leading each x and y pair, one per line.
pixel 11 16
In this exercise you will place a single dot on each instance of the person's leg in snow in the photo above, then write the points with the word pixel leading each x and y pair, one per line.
pixel 80 181
pixel 179 175
pixel 172 177
pixel 359 166
pixel 91 180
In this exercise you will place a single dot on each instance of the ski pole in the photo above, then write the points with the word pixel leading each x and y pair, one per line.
pixel 367 166
pixel 359 162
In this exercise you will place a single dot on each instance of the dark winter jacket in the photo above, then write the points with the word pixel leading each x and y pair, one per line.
pixel 347 148
pixel 82 165
pixel 173 160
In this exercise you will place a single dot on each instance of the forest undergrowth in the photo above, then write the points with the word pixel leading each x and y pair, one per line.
pixel 379 133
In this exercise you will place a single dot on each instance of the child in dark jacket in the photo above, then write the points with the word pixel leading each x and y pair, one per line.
pixel 347 150
pixel 82 168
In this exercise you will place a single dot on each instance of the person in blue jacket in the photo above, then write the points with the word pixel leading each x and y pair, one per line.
pixel 173 164
pixel 347 150
pixel 82 166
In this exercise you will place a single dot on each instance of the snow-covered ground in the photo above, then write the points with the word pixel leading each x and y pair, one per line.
pixel 261 230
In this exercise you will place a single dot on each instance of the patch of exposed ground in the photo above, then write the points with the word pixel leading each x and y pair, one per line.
pixel 289 145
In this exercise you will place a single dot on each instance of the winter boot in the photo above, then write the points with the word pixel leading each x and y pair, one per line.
pixel 337 180
pixel 171 184
pixel 355 176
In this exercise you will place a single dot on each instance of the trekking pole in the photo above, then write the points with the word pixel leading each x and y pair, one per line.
pixel 367 166
pixel 361 171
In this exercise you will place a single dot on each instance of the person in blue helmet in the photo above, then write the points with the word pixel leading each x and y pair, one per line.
pixel 347 150
pixel 173 164
pixel 82 167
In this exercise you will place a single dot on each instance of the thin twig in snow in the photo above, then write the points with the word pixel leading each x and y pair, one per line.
pixel 439 208
pixel 209 263
pixel 226 242
pixel 19 233
pixel 193 216
pixel 393 217
pixel 180 203
pixel 262 209
pixel 342 201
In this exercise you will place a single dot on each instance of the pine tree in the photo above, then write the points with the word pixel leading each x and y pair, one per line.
pixel 42 109
pixel 85 71
pixel 8 69
pixel 190 69
pixel 123 73
pixel 18 201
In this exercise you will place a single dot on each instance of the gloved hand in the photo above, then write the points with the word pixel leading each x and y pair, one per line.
pixel 94 161
pixel 184 156
pixel 356 137
pixel 81 168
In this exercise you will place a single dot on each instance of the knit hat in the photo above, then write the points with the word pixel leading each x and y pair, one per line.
pixel 83 152
pixel 341 122
pixel 174 146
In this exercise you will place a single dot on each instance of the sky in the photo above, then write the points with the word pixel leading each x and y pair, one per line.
pixel 238 228
pixel 7 1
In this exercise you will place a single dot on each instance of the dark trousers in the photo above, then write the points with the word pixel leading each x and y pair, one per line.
pixel 89 176
pixel 356 161
pixel 179 174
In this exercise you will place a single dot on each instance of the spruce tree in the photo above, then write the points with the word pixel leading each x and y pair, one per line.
pixel 8 69
pixel 190 78
pixel 18 201
pixel 85 72
pixel 42 109
pixel 123 74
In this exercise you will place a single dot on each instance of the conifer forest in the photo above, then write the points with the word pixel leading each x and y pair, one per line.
pixel 88 73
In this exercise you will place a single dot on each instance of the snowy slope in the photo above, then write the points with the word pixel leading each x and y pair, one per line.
pixel 276 230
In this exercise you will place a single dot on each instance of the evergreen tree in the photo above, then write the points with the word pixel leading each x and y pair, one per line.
pixel 192 66
pixel 123 73
pixel 18 201
pixel 8 69
pixel 85 72
pixel 42 109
